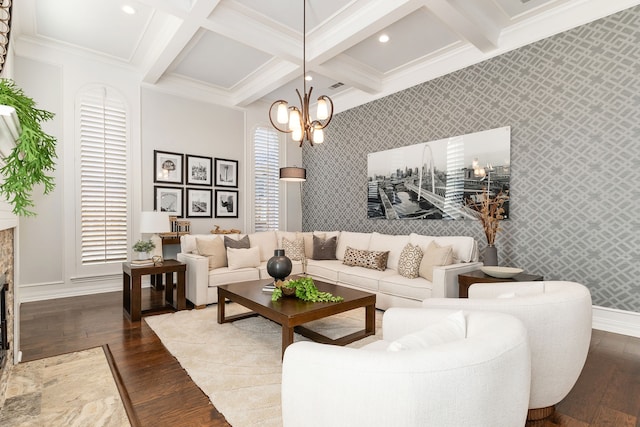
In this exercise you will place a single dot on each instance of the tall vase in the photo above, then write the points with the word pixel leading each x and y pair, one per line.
pixel 279 266
pixel 491 255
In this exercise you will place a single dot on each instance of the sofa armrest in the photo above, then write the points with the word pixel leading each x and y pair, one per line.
pixel 197 277
pixel 445 278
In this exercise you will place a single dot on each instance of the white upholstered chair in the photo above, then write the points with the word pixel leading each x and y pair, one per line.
pixel 480 380
pixel 557 316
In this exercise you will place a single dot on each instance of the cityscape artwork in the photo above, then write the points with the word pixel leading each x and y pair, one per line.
pixel 437 179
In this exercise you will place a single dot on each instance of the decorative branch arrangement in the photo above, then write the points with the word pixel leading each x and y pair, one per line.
pixel 489 211
pixel 34 153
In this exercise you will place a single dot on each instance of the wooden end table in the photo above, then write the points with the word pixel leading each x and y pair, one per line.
pixel 477 276
pixel 132 287
pixel 291 313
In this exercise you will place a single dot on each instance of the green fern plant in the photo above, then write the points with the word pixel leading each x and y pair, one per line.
pixel 33 156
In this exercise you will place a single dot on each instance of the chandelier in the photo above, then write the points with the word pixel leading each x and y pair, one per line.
pixel 297 121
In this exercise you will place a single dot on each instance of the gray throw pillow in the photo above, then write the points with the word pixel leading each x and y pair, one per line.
pixel 324 248
pixel 237 244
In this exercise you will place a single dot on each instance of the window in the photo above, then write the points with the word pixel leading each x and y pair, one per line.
pixel 266 166
pixel 103 177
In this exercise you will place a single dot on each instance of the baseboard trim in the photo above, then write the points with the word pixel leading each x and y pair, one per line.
pixel 617 321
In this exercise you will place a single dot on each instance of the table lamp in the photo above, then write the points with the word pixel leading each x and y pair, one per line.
pixel 154 223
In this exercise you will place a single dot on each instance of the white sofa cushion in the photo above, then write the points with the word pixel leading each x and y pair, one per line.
pixel 326 270
pixel 223 275
pixel 417 289
pixel 389 242
pixel 451 328
pixel 352 239
pixel 266 241
pixel 243 258
pixel 361 277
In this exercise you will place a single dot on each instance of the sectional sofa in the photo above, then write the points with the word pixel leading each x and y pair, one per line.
pixel 348 263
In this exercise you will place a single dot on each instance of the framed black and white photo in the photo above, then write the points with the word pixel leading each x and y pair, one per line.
pixel 167 199
pixel 167 167
pixel 198 170
pixel 198 203
pixel 226 204
pixel 226 173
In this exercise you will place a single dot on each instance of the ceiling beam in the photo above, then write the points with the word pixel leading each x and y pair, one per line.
pixel 352 73
pixel 477 31
pixel 176 41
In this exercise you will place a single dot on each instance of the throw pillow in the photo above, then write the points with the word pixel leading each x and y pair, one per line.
pixel 243 258
pixel 324 248
pixel 451 328
pixel 243 243
pixel 376 260
pixel 435 255
pixel 293 249
pixel 214 250
pixel 409 263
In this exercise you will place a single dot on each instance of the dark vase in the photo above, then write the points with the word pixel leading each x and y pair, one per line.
pixel 279 266
pixel 491 255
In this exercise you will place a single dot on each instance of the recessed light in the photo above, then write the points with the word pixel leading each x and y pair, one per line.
pixel 383 38
pixel 129 10
pixel 308 78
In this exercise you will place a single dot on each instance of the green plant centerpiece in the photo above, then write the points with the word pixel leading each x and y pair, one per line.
pixel 32 157
pixel 304 289
pixel 144 246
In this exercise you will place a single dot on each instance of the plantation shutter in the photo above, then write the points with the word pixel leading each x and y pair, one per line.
pixel 103 178
pixel 267 187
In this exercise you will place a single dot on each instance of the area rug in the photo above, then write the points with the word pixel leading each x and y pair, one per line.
pixel 74 389
pixel 238 365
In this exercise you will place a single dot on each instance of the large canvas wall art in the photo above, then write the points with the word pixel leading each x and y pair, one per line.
pixel 436 179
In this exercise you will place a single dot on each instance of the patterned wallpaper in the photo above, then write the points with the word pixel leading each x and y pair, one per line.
pixel 573 104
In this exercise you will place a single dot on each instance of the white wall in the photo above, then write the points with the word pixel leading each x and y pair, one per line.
pixel 179 125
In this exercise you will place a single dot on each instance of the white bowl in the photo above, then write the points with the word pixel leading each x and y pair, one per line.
pixel 501 272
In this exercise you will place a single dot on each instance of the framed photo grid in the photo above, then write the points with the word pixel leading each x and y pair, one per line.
pixel 199 170
pixel 199 203
pixel 226 173
pixel 226 202
pixel 168 199
pixel 167 167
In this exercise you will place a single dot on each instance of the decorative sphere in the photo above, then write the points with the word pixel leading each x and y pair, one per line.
pixel 279 266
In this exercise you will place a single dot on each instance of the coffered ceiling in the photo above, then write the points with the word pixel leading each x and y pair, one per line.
pixel 236 52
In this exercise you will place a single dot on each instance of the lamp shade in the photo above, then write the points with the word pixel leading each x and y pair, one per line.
pixel 294 174
pixel 154 222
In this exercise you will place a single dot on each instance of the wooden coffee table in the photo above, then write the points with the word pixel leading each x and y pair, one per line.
pixel 291 313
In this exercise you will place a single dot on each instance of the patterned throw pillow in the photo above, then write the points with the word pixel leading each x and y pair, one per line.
pixel 409 263
pixel 376 260
pixel 293 249
pixel 324 248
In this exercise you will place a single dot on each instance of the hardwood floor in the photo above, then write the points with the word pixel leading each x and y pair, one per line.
pixel 607 393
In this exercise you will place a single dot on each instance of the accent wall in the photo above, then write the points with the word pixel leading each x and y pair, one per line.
pixel 573 104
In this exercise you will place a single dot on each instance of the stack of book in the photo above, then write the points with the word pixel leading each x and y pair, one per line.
pixel 142 263
pixel 269 288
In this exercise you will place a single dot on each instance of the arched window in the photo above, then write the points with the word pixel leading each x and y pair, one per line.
pixel 102 177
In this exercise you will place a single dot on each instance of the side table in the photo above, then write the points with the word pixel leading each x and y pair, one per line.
pixel 132 287
pixel 477 276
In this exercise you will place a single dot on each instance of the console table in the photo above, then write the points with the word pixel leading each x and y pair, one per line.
pixel 132 287
pixel 477 276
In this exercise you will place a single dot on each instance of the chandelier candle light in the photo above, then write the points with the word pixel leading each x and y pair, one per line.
pixel 297 121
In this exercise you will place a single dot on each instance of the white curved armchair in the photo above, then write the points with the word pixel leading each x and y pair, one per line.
pixel 481 380
pixel 557 316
